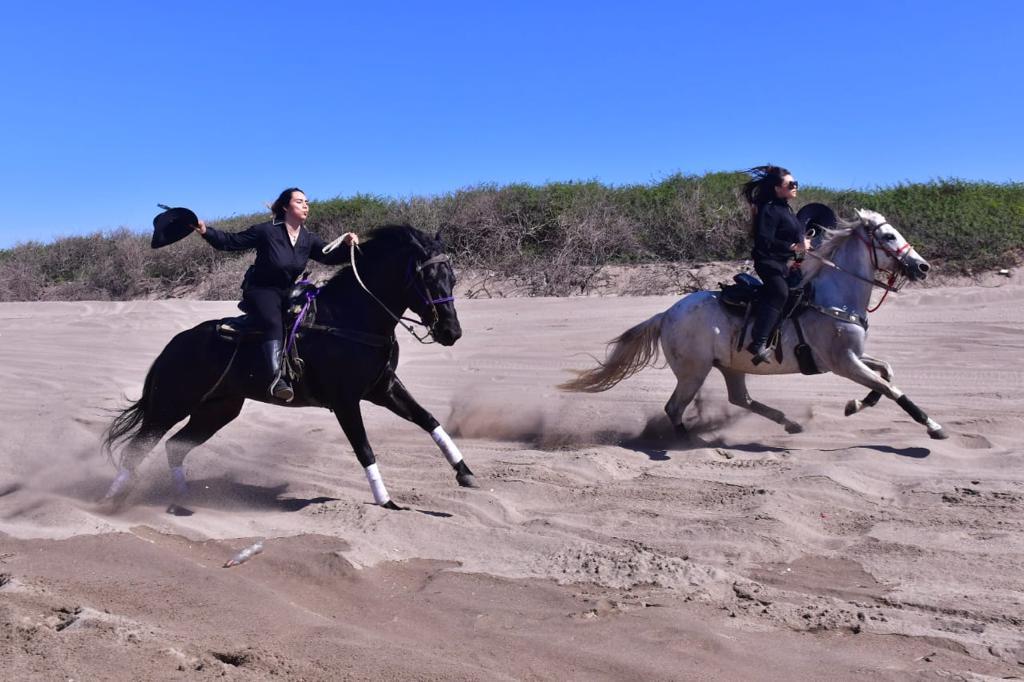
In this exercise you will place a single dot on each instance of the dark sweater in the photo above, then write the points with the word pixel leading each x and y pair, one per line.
pixel 777 230
pixel 278 263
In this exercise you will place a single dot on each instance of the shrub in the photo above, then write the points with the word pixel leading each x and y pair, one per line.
pixel 551 239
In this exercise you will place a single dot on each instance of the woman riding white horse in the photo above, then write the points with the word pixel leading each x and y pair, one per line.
pixel 779 241
pixel 698 333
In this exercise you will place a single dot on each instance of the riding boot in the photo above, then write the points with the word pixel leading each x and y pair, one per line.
pixel 766 318
pixel 279 386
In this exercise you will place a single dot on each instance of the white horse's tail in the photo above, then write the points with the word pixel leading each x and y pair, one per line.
pixel 630 353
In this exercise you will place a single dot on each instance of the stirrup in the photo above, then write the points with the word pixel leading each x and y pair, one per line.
pixel 281 390
pixel 761 353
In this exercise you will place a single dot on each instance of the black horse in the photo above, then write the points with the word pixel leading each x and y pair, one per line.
pixel 349 354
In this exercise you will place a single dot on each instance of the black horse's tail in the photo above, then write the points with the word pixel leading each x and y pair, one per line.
pixel 129 422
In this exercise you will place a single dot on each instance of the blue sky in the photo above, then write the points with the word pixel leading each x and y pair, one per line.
pixel 111 107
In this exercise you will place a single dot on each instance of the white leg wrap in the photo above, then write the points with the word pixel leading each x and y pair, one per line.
pixel 120 483
pixel 932 425
pixel 447 445
pixel 179 480
pixel 380 493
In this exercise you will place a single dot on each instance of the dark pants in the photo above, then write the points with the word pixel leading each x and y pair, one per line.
pixel 266 306
pixel 771 299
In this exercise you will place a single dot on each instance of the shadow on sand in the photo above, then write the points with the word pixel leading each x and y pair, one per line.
pixel 914 453
pixel 659 438
pixel 226 494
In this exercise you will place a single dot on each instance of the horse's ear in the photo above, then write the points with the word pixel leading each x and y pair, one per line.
pixel 437 237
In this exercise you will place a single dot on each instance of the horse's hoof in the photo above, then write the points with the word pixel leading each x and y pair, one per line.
pixel 852 407
pixel 390 504
pixel 680 434
pixel 793 427
pixel 939 434
pixel 177 510
pixel 467 480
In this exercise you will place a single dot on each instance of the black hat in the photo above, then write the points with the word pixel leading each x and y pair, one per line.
pixel 816 216
pixel 172 225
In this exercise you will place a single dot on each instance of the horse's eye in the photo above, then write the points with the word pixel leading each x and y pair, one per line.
pixel 889 237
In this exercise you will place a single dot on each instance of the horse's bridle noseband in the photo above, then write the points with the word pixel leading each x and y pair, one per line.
pixel 899 256
pixel 424 294
pixel 416 268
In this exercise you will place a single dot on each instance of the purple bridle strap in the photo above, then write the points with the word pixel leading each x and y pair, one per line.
pixel 310 295
pixel 416 269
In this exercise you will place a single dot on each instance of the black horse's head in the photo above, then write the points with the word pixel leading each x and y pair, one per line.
pixel 431 284
pixel 404 269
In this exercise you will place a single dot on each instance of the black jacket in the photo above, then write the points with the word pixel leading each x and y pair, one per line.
pixel 278 263
pixel 777 229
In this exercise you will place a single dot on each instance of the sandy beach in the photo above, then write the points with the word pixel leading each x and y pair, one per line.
pixel 596 547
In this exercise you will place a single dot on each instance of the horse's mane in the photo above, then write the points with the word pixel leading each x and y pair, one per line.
pixel 381 241
pixel 834 238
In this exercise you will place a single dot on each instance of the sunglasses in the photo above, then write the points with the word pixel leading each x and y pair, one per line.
pixel 792 184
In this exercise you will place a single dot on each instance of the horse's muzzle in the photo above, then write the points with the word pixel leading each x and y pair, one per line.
pixel 917 269
pixel 447 332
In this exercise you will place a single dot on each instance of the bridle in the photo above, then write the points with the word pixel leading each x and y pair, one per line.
pixel 414 278
pixel 896 279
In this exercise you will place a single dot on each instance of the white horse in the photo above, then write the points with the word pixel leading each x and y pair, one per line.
pixel 698 333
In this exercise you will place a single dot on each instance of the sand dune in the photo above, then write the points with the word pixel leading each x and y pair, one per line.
pixel 597 547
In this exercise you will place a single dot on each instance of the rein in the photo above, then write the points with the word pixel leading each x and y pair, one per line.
pixel 890 286
pixel 874 282
pixel 427 338
pixel 871 244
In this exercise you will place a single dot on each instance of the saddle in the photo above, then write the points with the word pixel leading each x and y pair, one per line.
pixel 299 314
pixel 739 299
pixel 234 328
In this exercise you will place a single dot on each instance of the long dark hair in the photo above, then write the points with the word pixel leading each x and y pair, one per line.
pixel 280 205
pixel 760 189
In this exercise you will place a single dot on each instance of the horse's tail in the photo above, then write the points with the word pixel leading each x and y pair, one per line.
pixel 630 353
pixel 129 422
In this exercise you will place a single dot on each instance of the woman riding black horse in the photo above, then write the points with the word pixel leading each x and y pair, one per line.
pixel 350 355
pixel 283 247
pixel 778 238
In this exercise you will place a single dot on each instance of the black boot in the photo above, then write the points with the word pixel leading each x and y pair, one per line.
pixel 766 318
pixel 279 386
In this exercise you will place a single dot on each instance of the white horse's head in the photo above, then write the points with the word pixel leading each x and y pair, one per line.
pixel 892 251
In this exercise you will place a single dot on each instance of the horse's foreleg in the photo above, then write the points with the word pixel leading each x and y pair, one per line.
pixel 736 384
pixel 351 419
pixel 396 397
pixel 858 371
pixel 872 398
pixel 206 420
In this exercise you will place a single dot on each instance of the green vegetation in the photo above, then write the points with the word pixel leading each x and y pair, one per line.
pixel 553 238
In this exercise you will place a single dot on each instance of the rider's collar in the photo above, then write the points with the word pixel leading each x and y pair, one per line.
pixel 277 221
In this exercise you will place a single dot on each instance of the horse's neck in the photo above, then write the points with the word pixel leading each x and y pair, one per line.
pixel 347 304
pixel 833 288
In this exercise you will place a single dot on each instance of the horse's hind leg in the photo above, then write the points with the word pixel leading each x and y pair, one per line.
pixel 736 384
pixel 134 451
pixel 207 419
pixel 393 395
pixel 872 398
pixel 688 382
pixel 855 370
